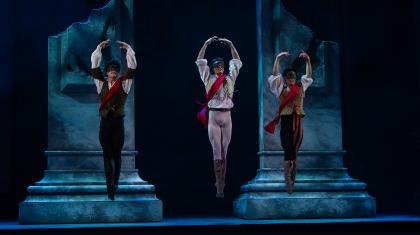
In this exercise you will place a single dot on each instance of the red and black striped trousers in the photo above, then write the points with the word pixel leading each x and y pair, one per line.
pixel 291 135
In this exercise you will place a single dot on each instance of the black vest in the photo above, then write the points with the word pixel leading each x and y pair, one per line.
pixel 115 106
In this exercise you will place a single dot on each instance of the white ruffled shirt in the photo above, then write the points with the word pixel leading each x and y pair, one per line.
pixel 220 100
pixel 277 84
pixel 131 63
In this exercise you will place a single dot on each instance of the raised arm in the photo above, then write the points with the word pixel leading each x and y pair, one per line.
pixel 275 81
pixel 276 65
pixel 131 55
pixel 131 61
pixel 307 79
pixel 128 76
pixel 201 63
pixel 306 57
pixel 204 47
pixel 233 50
pixel 97 54
pixel 96 61
pixel 235 64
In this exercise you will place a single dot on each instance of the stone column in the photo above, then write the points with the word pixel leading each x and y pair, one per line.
pixel 323 188
pixel 73 189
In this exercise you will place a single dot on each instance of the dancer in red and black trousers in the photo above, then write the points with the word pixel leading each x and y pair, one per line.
pixel 113 93
pixel 290 94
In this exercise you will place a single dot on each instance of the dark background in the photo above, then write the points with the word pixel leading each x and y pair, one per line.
pixel 380 95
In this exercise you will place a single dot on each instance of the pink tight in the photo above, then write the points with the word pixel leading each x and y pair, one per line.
pixel 220 132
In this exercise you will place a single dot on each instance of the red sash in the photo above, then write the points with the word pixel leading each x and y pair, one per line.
pixel 111 93
pixel 201 116
pixel 271 126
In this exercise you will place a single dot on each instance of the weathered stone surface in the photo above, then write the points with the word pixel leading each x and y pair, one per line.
pixel 301 206
pixel 323 188
pixel 91 211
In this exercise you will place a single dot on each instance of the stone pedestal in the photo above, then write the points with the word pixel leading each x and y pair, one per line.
pixel 73 189
pixel 323 189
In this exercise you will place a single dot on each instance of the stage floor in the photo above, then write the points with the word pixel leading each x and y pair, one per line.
pixel 228 225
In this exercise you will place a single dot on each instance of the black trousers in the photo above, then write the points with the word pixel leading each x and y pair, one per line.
pixel 111 137
pixel 291 135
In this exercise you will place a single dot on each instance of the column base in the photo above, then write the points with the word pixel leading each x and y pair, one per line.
pixel 304 205
pixel 85 209
pixel 73 190
pixel 323 189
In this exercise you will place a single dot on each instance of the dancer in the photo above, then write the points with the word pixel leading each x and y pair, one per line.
pixel 290 94
pixel 219 93
pixel 113 93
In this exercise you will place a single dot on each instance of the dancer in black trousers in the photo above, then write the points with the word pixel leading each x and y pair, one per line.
pixel 113 92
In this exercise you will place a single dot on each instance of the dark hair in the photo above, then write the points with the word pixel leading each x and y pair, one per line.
pixel 287 70
pixel 112 64
pixel 214 62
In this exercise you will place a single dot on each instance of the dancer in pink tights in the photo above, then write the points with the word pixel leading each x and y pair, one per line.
pixel 219 94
